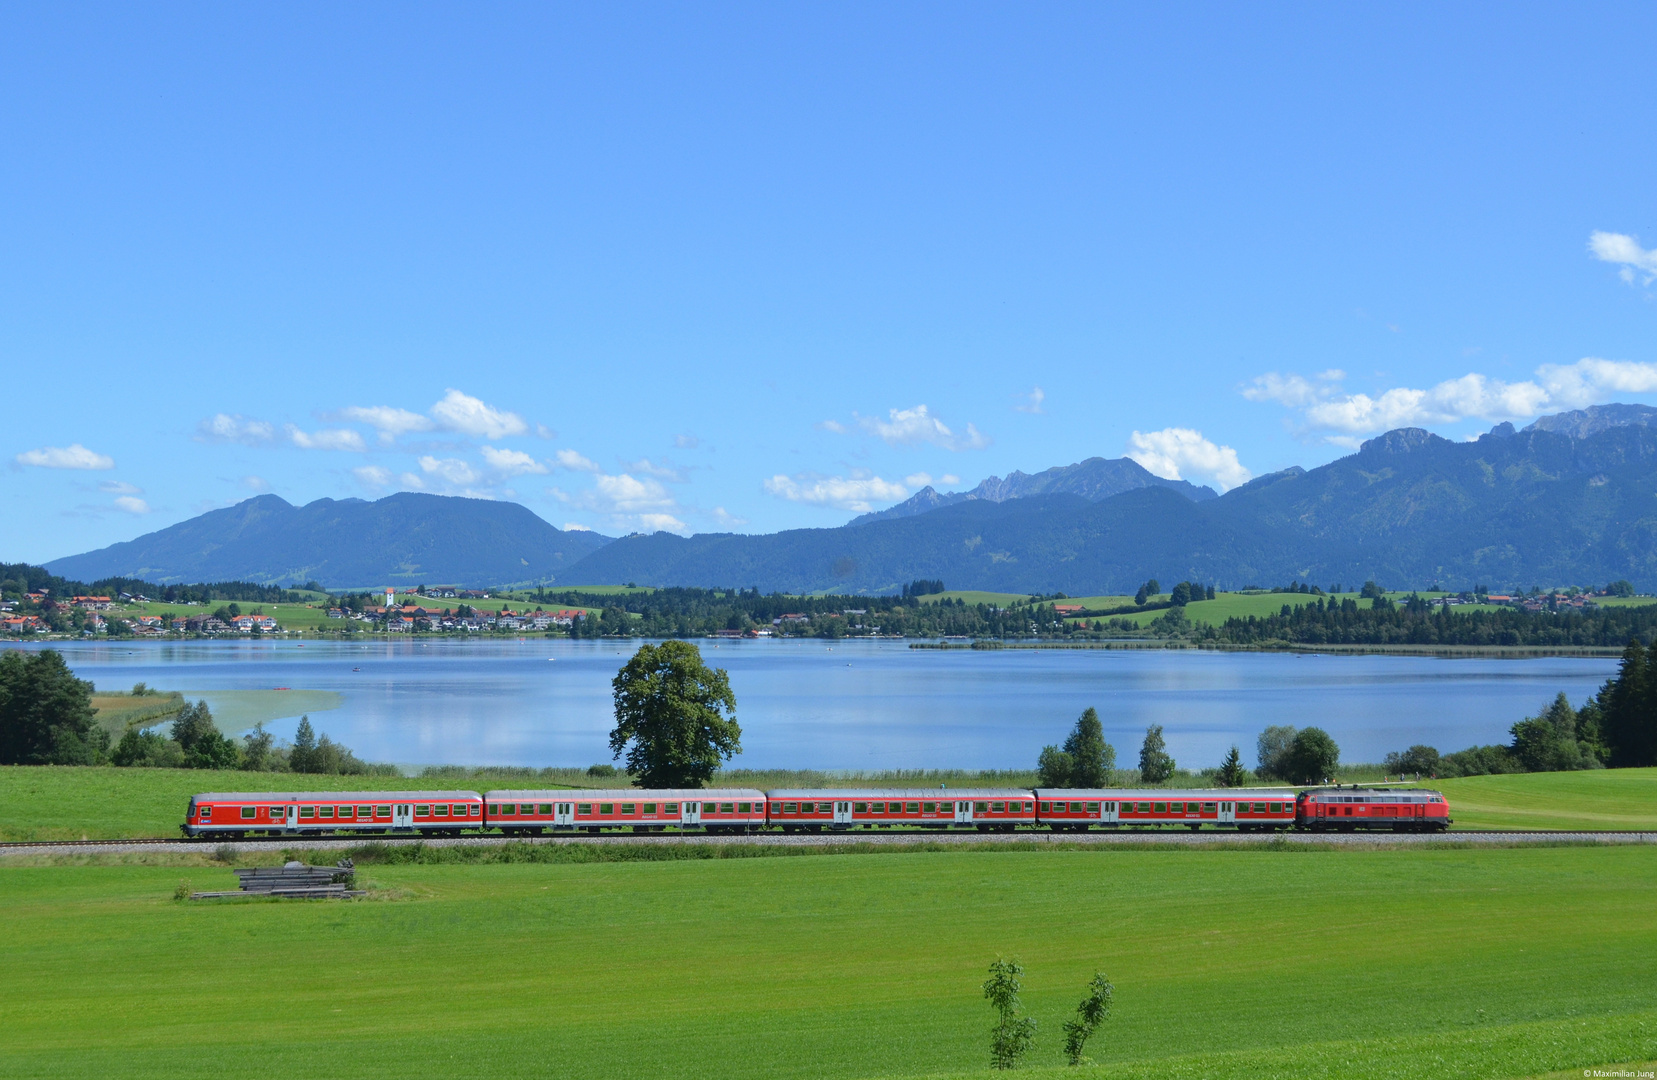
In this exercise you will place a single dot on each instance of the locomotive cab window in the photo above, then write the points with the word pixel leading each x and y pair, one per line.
pixel 207 813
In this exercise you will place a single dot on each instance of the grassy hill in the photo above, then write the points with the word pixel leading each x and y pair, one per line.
pixel 1227 964
pixel 1602 799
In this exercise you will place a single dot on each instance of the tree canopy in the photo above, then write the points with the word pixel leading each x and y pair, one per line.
pixel 675 716
pixel 46 713
pixel 1311 759
pixel 1155 766
pixel 1085 761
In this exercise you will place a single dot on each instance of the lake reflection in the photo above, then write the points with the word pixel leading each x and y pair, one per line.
pixel 859 705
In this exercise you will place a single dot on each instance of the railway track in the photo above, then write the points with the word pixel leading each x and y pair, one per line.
pixel 1182 838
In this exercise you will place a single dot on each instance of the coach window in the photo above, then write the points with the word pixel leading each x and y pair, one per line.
pixel 546 808
pixel 249 811
pixel 325 811
pixel 929 808
pixel 1047 808
pixel 509 809
pixel 1093 808
pixel 1277 808
pixel 788 808
pixel 345 811
pixel 1144 808
pixel 628 808
pixel 494 808
pixel 1259 808
pixel 441 810
pixel 382 811
pixel 419 811
pixel 912 808
pixel 725 808
pixel 981 808
pixel 584 808
pixel 307 811
pixel 825 808
pixel 670 808
pixel 1208 808
pixel 998 808
pixel 460 809
pixel 649 808
pixel 1059 808
pixel 365 811
pixel 1177 808
pixel 607 808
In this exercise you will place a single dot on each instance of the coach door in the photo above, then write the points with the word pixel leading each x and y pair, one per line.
pixel 402 817
pixel 293 817
pixel 963 811
pixel 690 813
pixel 563 813
pixel 1228 813
pixel 842 813
pixel 1108 811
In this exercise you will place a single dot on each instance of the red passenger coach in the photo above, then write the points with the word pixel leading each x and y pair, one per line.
pixel 1350 809
pixel 275 813
pixel 1077 810
pixel 526 813
pixel 984 809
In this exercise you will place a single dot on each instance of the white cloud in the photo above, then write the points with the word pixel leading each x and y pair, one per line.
pixel 544 432
pixel 469 416
pixel 908 427
pixel 73 456
pixel 1033 400
pixel 627 494
pixel 686 442
pixel 1167 452
pixel 452 471
pixel 233 427
pixel 120 487
pixel 256 483
pixel 918 480
pixel 412 481
pixel 662 523
pixel 576 526
pixel 513 462
pixel 132 504
pixel 327 439
pixel 569 459
pixel 949 479
pixel 663 471
pixel 1556 387
pixel 389 421
pixel 372 476
pixel 725 517
pixel 832 425
pixel 1626 250
pixel 856 492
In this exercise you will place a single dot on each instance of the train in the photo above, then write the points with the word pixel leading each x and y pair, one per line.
pixel 1337 808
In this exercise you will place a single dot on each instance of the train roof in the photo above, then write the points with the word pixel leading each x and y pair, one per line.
pixel 1383 793
pixel 333 796
pixel 1165 794
pixel 940 794
pixel 621 794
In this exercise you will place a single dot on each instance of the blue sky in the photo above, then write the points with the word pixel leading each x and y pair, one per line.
pixel 712 267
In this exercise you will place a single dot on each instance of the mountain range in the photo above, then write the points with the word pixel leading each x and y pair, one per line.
pixel 1570 499
pixel 407 538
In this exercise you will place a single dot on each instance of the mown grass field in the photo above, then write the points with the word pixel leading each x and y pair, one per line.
pixel 1602 799
pixel 68 803
pixel 1350 963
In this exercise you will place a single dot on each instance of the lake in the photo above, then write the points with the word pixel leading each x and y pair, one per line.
pixel 852 705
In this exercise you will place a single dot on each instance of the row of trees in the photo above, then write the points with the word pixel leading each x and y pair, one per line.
pixel 17 580
pixel 195 742
pixel 1086 760
pixel 1617 727
pixel 1331 621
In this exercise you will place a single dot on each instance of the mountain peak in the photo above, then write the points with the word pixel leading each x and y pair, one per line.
pixel 1401 441
pixel 1582 423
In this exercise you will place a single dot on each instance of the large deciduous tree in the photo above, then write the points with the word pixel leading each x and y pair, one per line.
pixel 46 713
pixel 1311 759
pixel 1271 751
pixel 675 716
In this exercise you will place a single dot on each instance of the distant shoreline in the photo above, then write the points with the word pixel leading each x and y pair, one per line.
pixel 1508 652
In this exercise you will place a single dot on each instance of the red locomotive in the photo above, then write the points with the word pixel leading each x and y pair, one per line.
pixel 1393 809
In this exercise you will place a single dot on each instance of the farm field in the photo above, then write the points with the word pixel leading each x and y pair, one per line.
pixel 1506 962
pixel 1235 605
pixel 1601 799
pixel 973 597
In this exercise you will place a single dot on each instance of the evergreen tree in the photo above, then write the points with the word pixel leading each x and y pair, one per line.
pixel 1091 757
pixel 1155 766
pixel 1231 772
pixel 302 758
pixel 204 746
pixel 1628 710
pixel 46 713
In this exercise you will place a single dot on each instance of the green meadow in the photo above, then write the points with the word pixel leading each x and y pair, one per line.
pixel 1601 799
pixel 47 802
pixel 1243 963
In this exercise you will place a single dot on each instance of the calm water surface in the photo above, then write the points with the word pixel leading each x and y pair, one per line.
pixel 859 705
